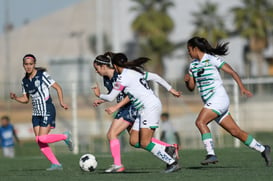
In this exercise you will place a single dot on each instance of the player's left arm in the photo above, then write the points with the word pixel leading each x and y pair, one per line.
pixel 59 91
pixel 112 95
pixel 228 69
pixel 154 77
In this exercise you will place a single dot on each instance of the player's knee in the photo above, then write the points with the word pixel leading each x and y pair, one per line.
pixel 42 139
pixel 199 124
pixel 112 135
pixel 37 139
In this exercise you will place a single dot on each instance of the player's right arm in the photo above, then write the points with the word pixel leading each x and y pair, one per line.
pixel 154 77
pixel 190 82
pixel 22 99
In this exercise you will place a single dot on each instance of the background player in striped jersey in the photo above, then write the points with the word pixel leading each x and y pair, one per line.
pixel 204 74
pixel 36 84
pixel 132 81
pixel 126 113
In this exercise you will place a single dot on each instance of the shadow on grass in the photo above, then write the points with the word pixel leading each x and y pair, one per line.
pixel 130 171
pixel 210 167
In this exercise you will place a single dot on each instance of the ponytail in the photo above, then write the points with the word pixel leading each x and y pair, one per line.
pixel 204 46
pixel 121 60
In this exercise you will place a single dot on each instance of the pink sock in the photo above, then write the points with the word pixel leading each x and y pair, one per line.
pixel 115 150
pixel 51 138
pixel 46 150
pixel 154 140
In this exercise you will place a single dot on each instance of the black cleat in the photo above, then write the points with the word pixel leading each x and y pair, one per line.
pixel 173 152
pixel 209 159
pixel 172 168
pixel 266 155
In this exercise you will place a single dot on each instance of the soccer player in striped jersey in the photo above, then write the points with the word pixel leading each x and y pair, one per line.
pixel 204 74
pixel 132 80
pixel 36 84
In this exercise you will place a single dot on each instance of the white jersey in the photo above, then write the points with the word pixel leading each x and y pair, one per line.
pixel 136 87
pixel 207 76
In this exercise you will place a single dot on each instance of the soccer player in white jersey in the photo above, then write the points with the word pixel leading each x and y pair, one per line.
pixel 132 81
pixel 36 84
pixel 204 74
pixel 126 113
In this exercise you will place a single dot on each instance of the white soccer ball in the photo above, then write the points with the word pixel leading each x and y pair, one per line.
pixel 88 162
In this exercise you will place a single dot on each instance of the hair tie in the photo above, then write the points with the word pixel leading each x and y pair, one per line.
pixel 29 57
pixel 102 62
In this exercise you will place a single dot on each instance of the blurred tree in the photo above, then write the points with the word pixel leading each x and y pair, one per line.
pixel 152 27
pixel 209 24
pixel 254 21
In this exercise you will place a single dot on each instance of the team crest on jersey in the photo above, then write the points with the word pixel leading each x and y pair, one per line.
pixel 206 62
pixel 37 82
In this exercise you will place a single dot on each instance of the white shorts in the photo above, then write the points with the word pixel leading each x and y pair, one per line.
pixel 8 152
pixel 148 117
pixel 219 103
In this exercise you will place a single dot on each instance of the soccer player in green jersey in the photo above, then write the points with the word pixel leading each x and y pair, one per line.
pixel 204 74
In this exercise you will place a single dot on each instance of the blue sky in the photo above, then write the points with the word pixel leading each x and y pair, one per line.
pixel 22 10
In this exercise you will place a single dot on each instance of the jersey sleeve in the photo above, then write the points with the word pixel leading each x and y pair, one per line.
pixel 218 62
pixel 190 70
pixel 47 79
pixel 154 77
pixel 118 87
pixel 23 88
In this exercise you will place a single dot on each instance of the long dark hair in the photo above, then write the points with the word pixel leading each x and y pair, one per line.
pixel 34 58
pixel 204 46
pixel 121 60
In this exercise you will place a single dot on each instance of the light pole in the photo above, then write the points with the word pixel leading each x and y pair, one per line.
pixel 78 35
pixel 7 29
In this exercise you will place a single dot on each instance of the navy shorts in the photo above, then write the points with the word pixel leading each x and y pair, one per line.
pixel 48 119
pixel 128 113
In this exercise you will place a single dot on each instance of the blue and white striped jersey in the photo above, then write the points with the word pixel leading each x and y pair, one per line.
pixel 38 89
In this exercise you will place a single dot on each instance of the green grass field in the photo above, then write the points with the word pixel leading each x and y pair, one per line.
pixel 235 164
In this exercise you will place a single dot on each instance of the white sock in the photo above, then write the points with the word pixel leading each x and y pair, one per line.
pixel 256 146
pixel 209 146
pixel 159 151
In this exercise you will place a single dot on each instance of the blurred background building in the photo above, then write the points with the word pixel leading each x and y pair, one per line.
pixel 66 36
